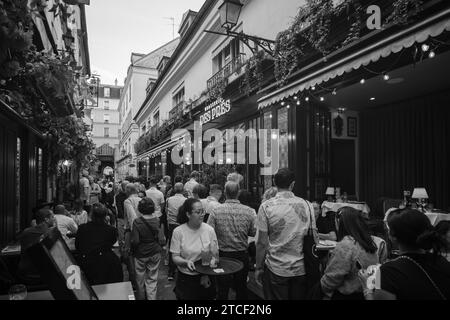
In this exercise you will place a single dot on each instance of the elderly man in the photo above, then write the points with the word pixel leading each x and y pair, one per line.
pixel 173 204
pixel 212 201
pixel 233 223
pixel 189 186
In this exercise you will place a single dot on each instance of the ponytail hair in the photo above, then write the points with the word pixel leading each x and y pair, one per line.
pixel 414 229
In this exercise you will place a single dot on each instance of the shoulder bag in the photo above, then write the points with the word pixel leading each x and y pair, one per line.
pixel 310 256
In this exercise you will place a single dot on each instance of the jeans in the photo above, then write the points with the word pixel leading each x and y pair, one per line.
pixel 147 276
pixel 283 288
pixel 121 231
pixel 238 280
pixel 172 266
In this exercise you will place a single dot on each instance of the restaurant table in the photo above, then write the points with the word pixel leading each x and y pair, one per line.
pixel 335 206
pixel 434 216
pixel 228 265
pixel 110 291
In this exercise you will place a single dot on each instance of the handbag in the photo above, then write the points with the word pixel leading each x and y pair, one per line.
pixel 310 256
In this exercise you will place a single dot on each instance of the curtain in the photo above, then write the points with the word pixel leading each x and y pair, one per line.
pixel 406 145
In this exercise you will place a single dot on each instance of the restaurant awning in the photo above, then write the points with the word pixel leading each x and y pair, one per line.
pixel 161 148
pixel 419 33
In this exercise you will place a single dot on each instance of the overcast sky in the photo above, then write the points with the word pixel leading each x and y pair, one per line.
pixel 117 27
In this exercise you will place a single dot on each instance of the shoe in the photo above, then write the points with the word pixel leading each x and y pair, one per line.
pixel 166 262
pixel 170 278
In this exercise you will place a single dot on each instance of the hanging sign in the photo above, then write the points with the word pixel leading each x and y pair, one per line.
pixel 215 110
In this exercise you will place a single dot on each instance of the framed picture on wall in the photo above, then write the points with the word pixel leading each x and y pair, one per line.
pixel 352 127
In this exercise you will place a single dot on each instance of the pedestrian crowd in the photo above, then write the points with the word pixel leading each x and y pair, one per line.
pixel 157 221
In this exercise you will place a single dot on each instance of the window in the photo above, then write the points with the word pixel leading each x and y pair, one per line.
pixel 232 51
pixel 119 132
pixel 178 97
pixel 106 105
pixel 156 118
pixel 106 132
pixel 106 118
pixel 107 92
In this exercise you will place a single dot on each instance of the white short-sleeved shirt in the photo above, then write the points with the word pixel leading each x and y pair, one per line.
pixel 286 219
pixel 188 243
pixel 158 198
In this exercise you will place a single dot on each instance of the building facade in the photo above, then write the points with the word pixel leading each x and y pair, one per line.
pixel 339 93
pixel 24 153
pixel 102 114
pixel 142 74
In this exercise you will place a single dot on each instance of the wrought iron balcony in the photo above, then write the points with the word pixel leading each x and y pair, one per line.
pixel 225 72
pixel 177 110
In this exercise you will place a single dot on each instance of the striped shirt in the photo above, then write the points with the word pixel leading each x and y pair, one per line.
pixel 233 223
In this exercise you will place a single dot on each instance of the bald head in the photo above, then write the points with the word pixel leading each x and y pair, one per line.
pixel 178 187
pixel 231 190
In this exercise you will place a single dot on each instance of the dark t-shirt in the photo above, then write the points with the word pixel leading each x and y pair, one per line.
pixel 407 281
pixel 326 224
pixel 120 199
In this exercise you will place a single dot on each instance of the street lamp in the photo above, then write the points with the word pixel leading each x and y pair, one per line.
pixel 229 11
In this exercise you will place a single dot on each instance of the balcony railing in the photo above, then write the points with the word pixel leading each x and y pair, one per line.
pixel 154 130
pixel 177 110
pixel 225 72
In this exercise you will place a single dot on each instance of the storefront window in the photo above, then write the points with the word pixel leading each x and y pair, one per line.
pixel 284 142
pixel 267 124
pixel 18 182
pixel 40 175
pixel 322 151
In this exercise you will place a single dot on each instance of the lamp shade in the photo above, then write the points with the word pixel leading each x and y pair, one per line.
pixel 229 13
pixel 420 193
pixel 330 191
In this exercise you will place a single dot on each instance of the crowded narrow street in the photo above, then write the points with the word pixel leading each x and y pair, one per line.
pixel 211 151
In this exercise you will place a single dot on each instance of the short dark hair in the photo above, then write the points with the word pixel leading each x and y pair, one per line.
pixel 146 206
pixel 43 214
pixel 201 191
pixel 284 178
pixel 186 209
pixel 99 213
pixel 178 179
pixel 154 180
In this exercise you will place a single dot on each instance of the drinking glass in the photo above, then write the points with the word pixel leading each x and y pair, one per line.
pixel 206 257
pixel 18 292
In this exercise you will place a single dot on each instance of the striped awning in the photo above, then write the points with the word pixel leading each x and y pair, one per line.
pixel 419 33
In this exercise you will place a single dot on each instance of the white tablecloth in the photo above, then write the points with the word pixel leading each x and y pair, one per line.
pixel 335 206
pixel 435 217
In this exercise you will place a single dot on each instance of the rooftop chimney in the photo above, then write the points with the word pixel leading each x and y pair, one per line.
pixel 115 82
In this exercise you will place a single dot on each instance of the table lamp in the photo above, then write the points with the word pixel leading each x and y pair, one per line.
pixel 330 193
pixel 421 195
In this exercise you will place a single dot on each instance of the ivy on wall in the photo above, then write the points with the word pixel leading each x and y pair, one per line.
pixel 312 26
pixel 253 73
pixel 37 85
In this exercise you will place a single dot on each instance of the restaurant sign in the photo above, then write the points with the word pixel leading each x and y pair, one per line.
pixel 215 110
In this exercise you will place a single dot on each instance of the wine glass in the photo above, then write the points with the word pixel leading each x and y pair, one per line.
pixel 18 292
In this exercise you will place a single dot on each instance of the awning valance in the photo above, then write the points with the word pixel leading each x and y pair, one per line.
pixel 163 147
pixel 419 33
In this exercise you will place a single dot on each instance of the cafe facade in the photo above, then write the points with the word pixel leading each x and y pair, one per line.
pixel 367 115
